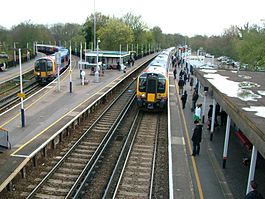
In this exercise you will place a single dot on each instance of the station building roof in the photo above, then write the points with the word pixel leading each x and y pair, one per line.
pixel 242 95
pixel 107 53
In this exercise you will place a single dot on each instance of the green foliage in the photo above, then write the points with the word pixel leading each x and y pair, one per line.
pixel 137 25
pixel 88 27
pixel 114 34
pixel 251 48
pixel 245 44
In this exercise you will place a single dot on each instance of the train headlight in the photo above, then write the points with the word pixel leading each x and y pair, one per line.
pixel 143 95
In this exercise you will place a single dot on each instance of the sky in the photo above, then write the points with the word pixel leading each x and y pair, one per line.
pixel 186 17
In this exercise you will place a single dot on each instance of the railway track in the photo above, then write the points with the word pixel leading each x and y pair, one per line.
pixel 137 179
pixel 129 166
pixel 64 178
pixel 12 98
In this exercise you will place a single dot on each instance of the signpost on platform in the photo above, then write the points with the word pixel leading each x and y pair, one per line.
pixel 83 73
pixel 21 94
pixel 58 64
pixel 81 59
pixel 70 70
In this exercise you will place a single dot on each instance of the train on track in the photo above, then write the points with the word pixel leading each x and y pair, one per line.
pixel 45 68
pixel 152 83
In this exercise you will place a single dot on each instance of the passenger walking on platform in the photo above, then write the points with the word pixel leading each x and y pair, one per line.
pixel 175 72
pixel 118 66
pixel 191 83
pixel 198 110
pixel 181 73
pixel 254 194
pixel 195 97
pixel 184 99
pixel 196 138
pixel 210 113
pixel 181 84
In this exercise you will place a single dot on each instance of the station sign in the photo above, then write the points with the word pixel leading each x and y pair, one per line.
pixel 21 95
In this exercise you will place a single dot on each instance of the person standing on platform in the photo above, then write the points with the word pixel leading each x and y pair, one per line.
pixel 210 113
pixel 184 99
pixel 254 194
pixel 181 73
pixel 181 84
pixel 175 72
pixel 197 115
pixel 195 97
pixel 191 83
pixel 196 138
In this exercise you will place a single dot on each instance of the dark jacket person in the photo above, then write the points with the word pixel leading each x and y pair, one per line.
pixel 254 194
pixel 196 138
pixel 184 99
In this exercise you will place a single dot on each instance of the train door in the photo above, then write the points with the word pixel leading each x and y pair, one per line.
pixel 151 88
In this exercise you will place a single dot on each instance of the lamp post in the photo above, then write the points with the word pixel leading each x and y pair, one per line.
pixel 15 57
pixel 94 24
pixel 97 69
pixel 120 54
pixel 70 70
pixel 21 94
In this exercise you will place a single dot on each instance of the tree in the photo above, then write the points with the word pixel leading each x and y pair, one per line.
pixel 158 36
pixel 251 48
pixel 136 24
pixel 114 34
pixel 88 27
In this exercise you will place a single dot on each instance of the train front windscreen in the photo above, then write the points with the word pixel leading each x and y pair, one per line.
pixel 43 65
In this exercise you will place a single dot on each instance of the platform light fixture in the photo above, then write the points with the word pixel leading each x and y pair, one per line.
pixel 97 68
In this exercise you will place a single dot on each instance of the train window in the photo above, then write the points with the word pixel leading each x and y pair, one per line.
pixel 49 66
pixel 37 66
pixel 142 84
pixel 152 86
pixel 161 85
pixel 40 64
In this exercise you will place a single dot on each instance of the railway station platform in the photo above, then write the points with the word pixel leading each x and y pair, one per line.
pixel 48 109
pixel 191 177
pixel 203 176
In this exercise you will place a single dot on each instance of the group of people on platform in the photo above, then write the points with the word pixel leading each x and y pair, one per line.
pixel 184 76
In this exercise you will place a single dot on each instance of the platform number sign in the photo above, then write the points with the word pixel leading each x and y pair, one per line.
pixel 58 58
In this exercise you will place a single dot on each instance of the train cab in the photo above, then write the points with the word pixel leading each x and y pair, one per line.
pixel 44 69
pixel 152 89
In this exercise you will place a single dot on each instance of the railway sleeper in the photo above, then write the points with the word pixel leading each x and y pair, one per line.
pixel 139 168
pixel 142 163
pixel 130 194
pixel 85 151
pixel 65 182
pixel 65 176
pixel 81 155
pixel 132 186
pixel 47 196
pixel 69 171
pixel 78 159
pixel 62 191
pixel 73 165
